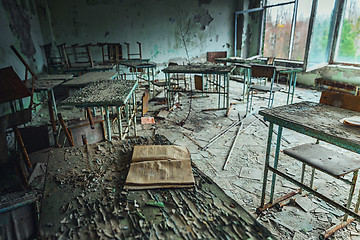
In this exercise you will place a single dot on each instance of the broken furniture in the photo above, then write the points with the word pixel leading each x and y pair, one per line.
pixel 47 83
pixel 51 60
pixel 84 198
pixel 159 166
pixel 83 132
pixel 14 96
pixel 113 52
pixel 130 55
pixel 106 94
pixel 321 122
pixel 206 83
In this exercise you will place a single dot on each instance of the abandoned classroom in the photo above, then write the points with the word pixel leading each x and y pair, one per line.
pixel 156 119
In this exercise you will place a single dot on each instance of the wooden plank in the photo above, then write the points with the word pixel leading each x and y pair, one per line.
pixel 145 102
pixel 341 100
pixel 198 82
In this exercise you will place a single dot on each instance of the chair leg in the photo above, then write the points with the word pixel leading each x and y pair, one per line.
pixel 302 175
pixel 351 193
pixel 312 178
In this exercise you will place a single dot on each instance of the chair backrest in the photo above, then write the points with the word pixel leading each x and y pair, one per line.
pixel 210 56
pixel 172 64
pixel 270 60
pixel 262 71
pixel 341 100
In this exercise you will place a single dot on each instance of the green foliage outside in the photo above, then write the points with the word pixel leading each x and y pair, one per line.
pixel 350 31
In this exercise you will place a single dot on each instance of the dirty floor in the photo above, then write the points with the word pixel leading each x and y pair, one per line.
pixel 304 218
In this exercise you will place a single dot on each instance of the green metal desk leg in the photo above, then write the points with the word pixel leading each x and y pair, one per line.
pixel 293 89
pixel 277 151
pixel 228 91
pixel 167 79
pixel 219 89
pixel 351 193
pixel 134 109
pixel 119 123
pixel 107 119
pixel 267 160
pixel 53 101
pixel 290 87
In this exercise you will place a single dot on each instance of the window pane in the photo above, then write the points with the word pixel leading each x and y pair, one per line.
pixel 350 34
pixel 320 37
pixel 301 29
pixel 277 31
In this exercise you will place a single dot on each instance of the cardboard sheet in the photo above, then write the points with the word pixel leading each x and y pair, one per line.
pixel 160 166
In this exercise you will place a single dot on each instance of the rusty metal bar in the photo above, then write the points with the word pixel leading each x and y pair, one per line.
pixel 66 130
pixel 22 148
pixel 91 121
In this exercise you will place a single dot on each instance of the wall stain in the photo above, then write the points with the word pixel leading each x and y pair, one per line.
pixel 20 25
pixel 204 18
pixel 204 2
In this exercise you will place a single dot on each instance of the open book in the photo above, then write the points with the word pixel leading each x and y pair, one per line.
pixel 160 166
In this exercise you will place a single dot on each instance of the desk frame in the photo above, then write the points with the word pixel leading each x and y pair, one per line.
pixel 343 143
pixel 219 79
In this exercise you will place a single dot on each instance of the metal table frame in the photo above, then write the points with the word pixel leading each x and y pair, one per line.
pixel 136 64
pixel 317 133
pixel 210 78
pixel 127 107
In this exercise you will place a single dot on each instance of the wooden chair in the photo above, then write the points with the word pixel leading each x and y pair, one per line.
pixel 261 72
pixel 326 160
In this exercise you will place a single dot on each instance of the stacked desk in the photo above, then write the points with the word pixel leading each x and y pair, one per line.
pixel 106 94
pixel 213 75
pixel 315 120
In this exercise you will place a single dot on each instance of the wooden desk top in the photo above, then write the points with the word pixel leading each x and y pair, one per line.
pixel 89 77
pixel 103 93
pixel 317 120
pixel 138 64
pixel 199 68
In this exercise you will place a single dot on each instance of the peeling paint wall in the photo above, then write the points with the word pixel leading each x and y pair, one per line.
pixel 249 29
pixel 162 26
pixel 345 74
pixel 19 26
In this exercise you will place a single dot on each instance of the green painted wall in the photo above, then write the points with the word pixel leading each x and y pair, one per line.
pixel 161 26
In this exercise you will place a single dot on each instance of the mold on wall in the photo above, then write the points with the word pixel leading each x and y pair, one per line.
pixel 157 24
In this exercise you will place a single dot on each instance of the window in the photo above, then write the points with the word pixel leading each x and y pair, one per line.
pixel 281 40
pixel 322 28
pixel 348 50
